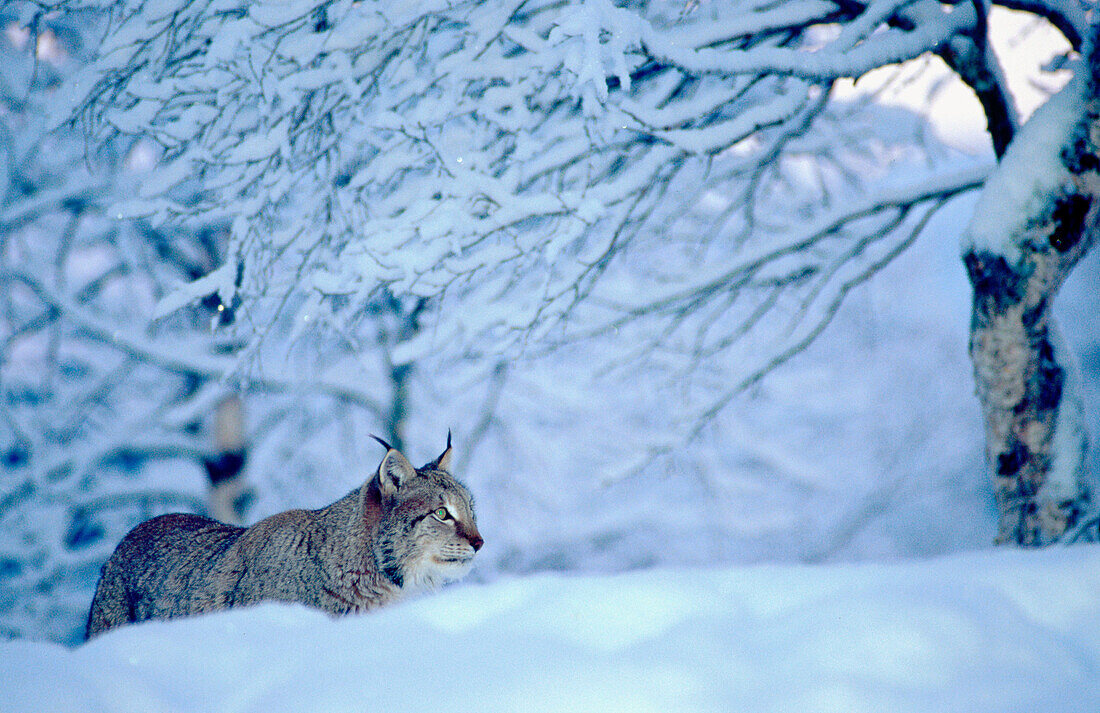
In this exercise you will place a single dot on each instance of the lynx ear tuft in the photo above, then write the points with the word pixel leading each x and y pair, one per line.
pixel 385 445
pixel 443 462
pixel 394 471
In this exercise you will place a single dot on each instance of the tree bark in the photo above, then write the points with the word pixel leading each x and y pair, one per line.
pixel 408 325
pixel 1035 439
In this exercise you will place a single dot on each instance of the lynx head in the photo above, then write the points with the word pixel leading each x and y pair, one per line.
pixel 427 533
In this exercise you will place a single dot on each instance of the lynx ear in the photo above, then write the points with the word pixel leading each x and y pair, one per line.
pixel 443 462
pixel 394 471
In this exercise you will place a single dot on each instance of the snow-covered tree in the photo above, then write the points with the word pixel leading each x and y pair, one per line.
pixel 481 166
pixel 365 186
pixel 105 418
pixel 1038 215
pixel 69 278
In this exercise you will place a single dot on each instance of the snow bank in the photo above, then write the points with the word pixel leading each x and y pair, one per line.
pixel 991 631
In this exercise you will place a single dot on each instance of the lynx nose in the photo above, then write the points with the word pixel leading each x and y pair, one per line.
pixel 472 536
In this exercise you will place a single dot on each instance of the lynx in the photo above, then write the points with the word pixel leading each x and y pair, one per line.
pixel 406 529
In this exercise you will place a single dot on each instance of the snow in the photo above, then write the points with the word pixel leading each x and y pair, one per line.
pixel 1022 45
pixel 1029 173
pixel 867 447
pixel 993 631
pixel 840 60
pixel 1070 434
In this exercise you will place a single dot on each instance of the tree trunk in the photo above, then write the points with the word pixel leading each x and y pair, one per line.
pixel 1026 381
pixel 408 325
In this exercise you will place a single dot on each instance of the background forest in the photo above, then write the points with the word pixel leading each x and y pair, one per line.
pixel 685 279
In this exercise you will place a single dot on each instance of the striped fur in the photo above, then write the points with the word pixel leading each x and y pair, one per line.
pixel 406 529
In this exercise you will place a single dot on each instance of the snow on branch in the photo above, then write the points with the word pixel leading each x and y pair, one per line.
pixel 1066 15
pixel 457 151
pixel 1030 173
pixel 796 244
pixel 191 359
pixel 852 55
pixel 737 305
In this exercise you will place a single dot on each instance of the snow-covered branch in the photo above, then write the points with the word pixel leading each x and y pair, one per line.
pixel 1069 16
pixel 191 359
pixel 464 151
pixel 800 245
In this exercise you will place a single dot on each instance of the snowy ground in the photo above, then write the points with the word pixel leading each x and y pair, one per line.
pixel 993 631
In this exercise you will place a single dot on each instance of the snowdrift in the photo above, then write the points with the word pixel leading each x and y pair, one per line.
pixel 990 631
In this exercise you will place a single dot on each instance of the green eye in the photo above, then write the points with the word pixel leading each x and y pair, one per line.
pixel 442 514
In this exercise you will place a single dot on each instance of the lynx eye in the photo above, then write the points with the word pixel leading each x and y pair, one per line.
pixel 442 514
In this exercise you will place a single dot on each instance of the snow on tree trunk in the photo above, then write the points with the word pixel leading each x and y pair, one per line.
pixel 1037 217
